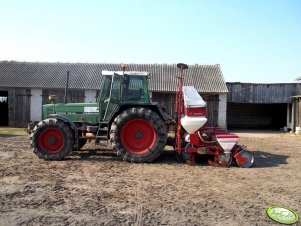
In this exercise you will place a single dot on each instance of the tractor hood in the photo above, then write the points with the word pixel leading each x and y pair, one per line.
pixel 87 112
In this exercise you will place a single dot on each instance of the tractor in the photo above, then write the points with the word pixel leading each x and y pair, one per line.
pixel 123 115
pixel 135 127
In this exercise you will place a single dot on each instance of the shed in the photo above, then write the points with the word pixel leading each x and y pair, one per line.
pixel 260 105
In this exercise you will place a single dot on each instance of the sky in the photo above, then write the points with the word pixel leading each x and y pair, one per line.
pixel 257 41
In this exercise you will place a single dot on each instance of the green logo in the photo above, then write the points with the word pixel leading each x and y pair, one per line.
pixel 282 214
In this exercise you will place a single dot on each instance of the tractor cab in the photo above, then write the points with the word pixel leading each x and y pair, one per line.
pixel 121 88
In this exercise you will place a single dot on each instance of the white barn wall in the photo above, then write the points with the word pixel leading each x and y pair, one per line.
pixel 90 96
pixel 36 105
pixel 222 110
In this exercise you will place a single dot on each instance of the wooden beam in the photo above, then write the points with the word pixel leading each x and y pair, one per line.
pixel 293 116
pixel 299 112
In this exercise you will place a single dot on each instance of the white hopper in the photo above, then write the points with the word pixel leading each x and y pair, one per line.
pixel 227 141
pixel 192 99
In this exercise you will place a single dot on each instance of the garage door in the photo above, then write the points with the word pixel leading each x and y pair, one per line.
pixel 256 116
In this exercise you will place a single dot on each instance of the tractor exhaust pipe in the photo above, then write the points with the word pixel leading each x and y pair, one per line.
pixel 66 87
pixel 123 67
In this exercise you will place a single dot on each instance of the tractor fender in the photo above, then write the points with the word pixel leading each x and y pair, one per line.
pixel 66 120
pixel 152 106
pixel 167 118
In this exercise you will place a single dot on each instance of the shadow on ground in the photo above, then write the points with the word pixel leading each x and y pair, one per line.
pixel 166 157
pixel 107 154
pixel 102 155
pixel 266 159
pixel 8 135
pixel 262 159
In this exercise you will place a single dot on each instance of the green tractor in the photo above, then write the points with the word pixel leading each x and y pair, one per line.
pixel 123 115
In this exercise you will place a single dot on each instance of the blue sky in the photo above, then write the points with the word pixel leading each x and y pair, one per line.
pixel 253 41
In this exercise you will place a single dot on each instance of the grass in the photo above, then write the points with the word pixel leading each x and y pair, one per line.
pixel 8 131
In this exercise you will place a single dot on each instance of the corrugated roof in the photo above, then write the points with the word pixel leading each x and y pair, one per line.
pixel 206 78
pixel 261 93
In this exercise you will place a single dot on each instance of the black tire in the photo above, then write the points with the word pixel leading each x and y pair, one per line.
pixel 147 130
pixel 52 139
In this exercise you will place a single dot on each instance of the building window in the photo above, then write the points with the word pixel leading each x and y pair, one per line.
pixel 3 99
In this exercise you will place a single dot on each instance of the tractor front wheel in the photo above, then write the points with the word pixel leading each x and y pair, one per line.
pixel 52 139
pixel 138 135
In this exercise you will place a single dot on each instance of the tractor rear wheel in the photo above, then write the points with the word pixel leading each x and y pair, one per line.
pixel 52 139
pixel 138 135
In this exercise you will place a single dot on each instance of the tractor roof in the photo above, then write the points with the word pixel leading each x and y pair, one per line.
pixel 136 73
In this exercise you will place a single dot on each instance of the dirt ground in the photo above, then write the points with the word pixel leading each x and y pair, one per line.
pixel 94 187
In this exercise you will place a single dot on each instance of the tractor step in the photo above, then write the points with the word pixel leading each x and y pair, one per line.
pixel 102 135
pixel 101 140
pixel 104 129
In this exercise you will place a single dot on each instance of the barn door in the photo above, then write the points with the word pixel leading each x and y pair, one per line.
pixel 19 107
pixel 212 108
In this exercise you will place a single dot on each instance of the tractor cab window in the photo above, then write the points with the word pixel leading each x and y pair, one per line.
pixel 134 88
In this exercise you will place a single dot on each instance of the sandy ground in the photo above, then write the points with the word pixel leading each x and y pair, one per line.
pixel 94 187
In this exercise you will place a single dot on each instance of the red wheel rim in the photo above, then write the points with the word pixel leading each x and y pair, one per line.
pixel 244 159
pixel 138 136
pixel 51 140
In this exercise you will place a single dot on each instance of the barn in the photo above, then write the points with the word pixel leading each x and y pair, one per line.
pixel 260 105
pixel 25 87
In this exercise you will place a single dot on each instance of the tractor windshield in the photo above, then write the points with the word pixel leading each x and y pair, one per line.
pixel 105 88
pixel 110 96
pixel 110 90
